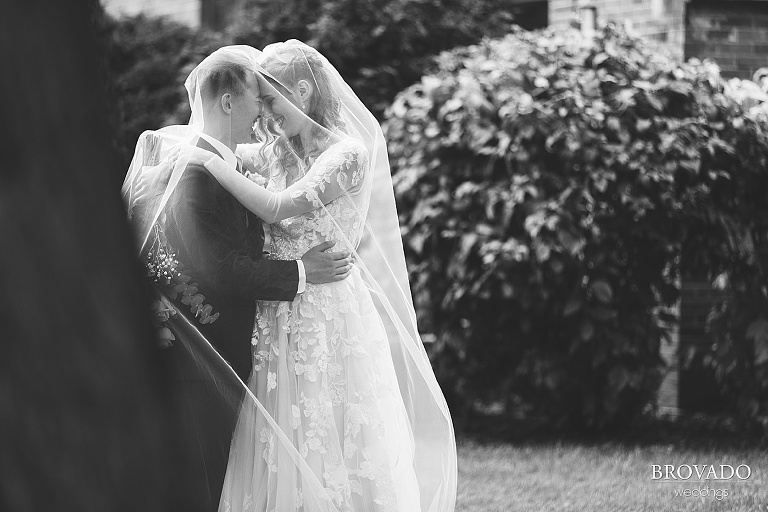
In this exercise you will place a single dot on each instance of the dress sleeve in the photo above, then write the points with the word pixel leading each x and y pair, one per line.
pixel 339 170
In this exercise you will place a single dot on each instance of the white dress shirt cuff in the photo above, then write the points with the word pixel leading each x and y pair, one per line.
pixel 302 277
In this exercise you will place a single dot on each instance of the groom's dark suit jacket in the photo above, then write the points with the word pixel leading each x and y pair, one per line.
pixel 220 244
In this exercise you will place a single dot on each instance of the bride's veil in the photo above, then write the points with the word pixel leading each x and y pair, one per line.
pixel 377 246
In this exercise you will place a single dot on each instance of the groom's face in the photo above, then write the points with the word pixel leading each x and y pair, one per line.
pixel 246 109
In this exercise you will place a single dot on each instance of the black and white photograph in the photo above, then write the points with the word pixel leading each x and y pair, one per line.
pixel 384 255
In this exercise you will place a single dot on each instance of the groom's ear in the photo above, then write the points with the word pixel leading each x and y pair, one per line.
pixel 226 103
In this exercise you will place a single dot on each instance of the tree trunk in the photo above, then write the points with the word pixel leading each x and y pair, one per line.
pixel 83 408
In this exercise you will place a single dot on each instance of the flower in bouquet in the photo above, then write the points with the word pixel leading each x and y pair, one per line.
pixel 171 282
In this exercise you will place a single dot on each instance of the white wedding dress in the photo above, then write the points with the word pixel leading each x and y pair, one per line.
pixel 324 372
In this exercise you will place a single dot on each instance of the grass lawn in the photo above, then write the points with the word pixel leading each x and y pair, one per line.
pixel 609 477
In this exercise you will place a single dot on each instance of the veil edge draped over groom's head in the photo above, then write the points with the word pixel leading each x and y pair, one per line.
pixel 225 71
pixel 337 114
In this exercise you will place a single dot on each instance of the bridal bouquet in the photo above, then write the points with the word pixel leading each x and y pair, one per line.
pixel 170 281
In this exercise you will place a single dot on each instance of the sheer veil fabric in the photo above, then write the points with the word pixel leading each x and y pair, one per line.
pixel 342 411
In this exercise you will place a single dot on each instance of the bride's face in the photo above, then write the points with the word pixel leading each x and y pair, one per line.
pixel 284 108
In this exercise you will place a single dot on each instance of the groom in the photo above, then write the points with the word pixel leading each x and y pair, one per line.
pixel 220 244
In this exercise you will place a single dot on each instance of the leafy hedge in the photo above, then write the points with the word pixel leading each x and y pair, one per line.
pixel 550 193
pixel 738 325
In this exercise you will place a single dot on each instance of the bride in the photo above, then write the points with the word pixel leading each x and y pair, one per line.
pixel 369 439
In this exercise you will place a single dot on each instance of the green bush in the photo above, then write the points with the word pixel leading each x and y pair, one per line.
pixel 738 325
pixel 147 61
pixel 550 191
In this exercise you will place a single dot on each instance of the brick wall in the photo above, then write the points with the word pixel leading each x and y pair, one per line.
pixel 733 33
pixel 661 21
pixel 667 398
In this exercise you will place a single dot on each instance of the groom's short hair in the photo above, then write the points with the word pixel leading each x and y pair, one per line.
pixel 223 77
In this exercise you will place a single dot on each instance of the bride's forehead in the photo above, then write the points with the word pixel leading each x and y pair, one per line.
pixel 268 86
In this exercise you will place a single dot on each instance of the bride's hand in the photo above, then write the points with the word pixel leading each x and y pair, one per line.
pixel 150 179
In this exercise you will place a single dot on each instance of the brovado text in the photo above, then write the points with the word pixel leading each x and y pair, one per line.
pixel 702 472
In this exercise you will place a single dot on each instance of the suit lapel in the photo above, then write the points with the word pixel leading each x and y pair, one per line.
pixel 204 144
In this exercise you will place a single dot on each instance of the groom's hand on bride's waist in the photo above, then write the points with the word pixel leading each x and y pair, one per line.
pixel 326 267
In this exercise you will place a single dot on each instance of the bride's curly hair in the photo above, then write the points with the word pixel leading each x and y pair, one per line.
pixel 290 64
